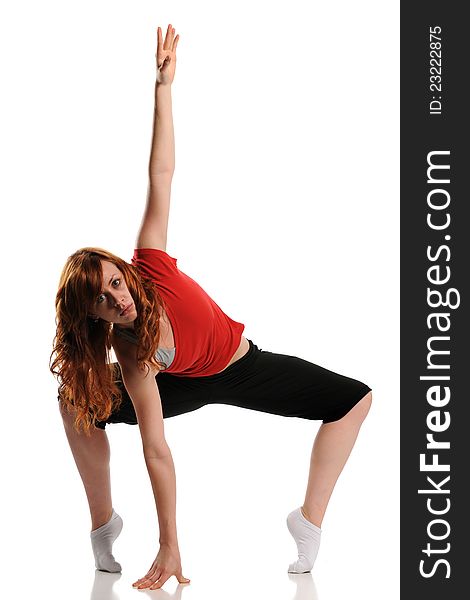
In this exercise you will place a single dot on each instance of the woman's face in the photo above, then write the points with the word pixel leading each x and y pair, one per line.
pixel 114 299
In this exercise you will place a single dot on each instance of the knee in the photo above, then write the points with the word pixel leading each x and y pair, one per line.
pixel 356 415
pixel 363 406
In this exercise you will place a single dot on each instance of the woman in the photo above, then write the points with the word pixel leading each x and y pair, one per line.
pixel 177 351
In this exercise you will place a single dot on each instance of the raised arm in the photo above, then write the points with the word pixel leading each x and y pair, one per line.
pixel 154 226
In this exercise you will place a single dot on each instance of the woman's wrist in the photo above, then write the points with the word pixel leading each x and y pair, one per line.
pixel 172 545
pixel 168 535
pixel 164 91
pixel 161 80
pixel 159 85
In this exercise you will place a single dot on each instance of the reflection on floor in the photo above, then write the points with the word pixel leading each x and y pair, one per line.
pixel 104 582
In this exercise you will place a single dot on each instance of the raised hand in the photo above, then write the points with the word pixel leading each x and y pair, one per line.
pixel 166 55
pixel 167 563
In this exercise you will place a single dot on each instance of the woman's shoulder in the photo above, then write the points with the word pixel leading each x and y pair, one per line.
pixel 126 354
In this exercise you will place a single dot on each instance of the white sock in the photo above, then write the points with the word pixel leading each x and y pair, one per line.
pixel 102 540
pixel 307 537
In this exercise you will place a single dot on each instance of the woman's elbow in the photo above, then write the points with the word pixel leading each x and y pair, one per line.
pixel 156 449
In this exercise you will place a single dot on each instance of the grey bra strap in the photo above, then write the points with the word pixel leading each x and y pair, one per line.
pixel 165 355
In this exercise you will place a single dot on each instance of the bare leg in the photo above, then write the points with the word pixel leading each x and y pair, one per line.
pixel 92 456
pixel 331 449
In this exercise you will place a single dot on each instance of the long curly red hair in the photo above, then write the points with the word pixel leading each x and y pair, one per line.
pixel 81 346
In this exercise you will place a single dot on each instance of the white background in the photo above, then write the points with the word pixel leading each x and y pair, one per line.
pixel 285 208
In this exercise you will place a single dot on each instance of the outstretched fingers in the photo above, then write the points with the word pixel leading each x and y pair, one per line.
pixel 164 576
pixel 158 579
pixel 170 32
pixel 148 576
pixel 167 47
pixel 171 41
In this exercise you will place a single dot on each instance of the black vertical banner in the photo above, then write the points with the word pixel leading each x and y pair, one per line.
pixel 434 295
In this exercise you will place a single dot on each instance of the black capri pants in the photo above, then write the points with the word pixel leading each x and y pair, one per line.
pixel 260 380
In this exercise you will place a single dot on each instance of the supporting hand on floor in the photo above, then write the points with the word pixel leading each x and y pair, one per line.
pixel 167 563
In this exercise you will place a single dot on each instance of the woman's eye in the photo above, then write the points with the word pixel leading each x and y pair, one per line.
pixel 100 298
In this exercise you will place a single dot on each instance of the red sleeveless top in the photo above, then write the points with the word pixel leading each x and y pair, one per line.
pixel 205 337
